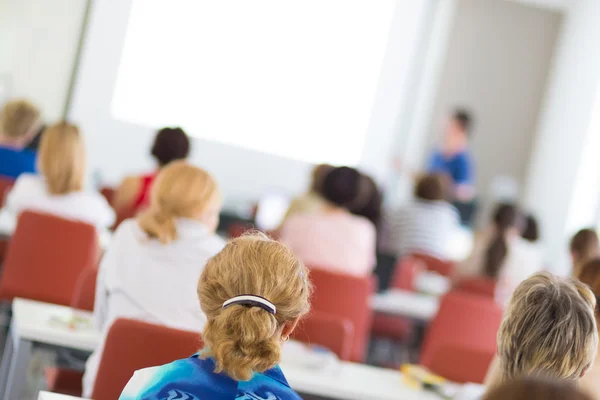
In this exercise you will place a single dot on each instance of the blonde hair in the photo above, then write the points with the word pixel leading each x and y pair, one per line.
pixel 61 158
pixel 18 118
pixel 180 190
pixel 548 329
pixel 243 339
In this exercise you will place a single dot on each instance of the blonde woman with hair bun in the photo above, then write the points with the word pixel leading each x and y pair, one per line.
pixel 253 293
pixel 151 267
pixel 59 189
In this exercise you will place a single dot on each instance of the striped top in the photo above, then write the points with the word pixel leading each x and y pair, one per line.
pixel 423 227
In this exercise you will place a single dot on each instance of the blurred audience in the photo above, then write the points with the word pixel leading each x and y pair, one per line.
pixel 151 267
pixel 19 122
pixel 59 189
pixel 536 389
pixel 133 193
pixel 311 201
pixel 590 275
pixel 427 224
pixel 584 246
pixel 531 231
pixel 548 329
pixel 369 201
pixel 501 254
pixel 333 238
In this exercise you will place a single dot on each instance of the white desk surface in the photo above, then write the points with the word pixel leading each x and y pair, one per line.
pixel 55 396
pixel 406 304
pixel 341 381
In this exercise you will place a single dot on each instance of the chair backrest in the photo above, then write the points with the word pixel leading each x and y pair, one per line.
pixel 445 268
pixel 405 273
pixel 132 345
pixel 85 290
pixel 45 257
pixel 349 297
pixel 461 340
pixel 5 186
pixel 482 286
pixel 334 332
pixel 108 193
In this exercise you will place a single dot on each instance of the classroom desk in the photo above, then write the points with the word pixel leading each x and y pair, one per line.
pixel 55 396
pixel 402 303
pixel 8 224
pixel 30 325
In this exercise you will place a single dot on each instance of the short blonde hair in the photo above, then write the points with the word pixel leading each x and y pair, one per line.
pixel 61 158
pixel 242 339
pixel 548 330
pixel 180 190
pixel 17 118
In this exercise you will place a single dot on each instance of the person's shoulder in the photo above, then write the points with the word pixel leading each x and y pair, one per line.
pixel 30 183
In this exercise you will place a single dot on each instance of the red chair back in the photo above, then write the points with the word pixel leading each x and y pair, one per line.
pixel 405 272
pixel 461 340
pixel 45 257
pixel 5 186
pixel 108 193
pixel 132 345
pixel 349 297
pixel 331 331
pixel 445 268
pixel 478 285
pixel 85 290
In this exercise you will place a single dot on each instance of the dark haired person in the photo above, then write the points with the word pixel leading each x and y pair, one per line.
pixel 427 224
pixel 501 254
pixel 334 238
pixel 170 144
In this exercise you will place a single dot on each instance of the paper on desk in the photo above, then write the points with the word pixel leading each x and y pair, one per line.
pixel 305 356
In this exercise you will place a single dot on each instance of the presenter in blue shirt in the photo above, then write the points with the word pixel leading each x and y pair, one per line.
pixel 19 122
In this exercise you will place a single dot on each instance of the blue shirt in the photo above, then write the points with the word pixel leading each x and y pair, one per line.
pixel 194 379
pixel 15 162
pixel 458 166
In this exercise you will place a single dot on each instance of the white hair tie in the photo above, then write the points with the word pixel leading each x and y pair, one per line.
pixel 250 300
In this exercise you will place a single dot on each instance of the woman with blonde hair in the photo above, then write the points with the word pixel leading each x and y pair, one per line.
pixel 19 121
pixel 548 330
pixel 59 189
pixel 151 267
pixel 253 293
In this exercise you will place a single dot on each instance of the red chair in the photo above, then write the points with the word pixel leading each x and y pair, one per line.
pixel 349 297
pixel 445 268
pixel 333 332
pixel 108 193
pixel 478 285
pixel 5 186
pixel 461 340
pixel 45 258
pixel 391 327
pixel 132 345
pixel 85 290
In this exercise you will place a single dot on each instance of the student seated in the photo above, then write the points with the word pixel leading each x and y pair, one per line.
pixel 19 121
pixel 590 275
pixel 170 144
pixel 548 330
pixel 152 265
pixel 333 238
pixel 534 389
pixel 500 253
pixel 311 201
pixel 427 225
pixel 584 246
pixel 253 293
pixel 59 190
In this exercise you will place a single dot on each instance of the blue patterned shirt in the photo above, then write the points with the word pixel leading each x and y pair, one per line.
pixel 194 379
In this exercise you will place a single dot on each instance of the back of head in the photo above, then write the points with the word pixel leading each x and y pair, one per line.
pixel 319 173
pixel 536 389
pixel 369 200
pixel 62 158
pixel 240 337
pixel 584 246
pixel 17 119
pixel 505 217
pixel 170 144
pixel 180 190
pixel 590 275
pixel 531 232
pixel 464 119
pixel 431 188
pixel 548 330
pixel 341 186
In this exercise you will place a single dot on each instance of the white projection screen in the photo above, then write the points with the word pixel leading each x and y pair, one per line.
pixel 292 78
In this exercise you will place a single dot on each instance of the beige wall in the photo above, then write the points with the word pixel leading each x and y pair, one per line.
pixel 497 65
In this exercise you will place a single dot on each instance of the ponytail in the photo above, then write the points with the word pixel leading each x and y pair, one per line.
pixel 158 224
pixel 505 217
